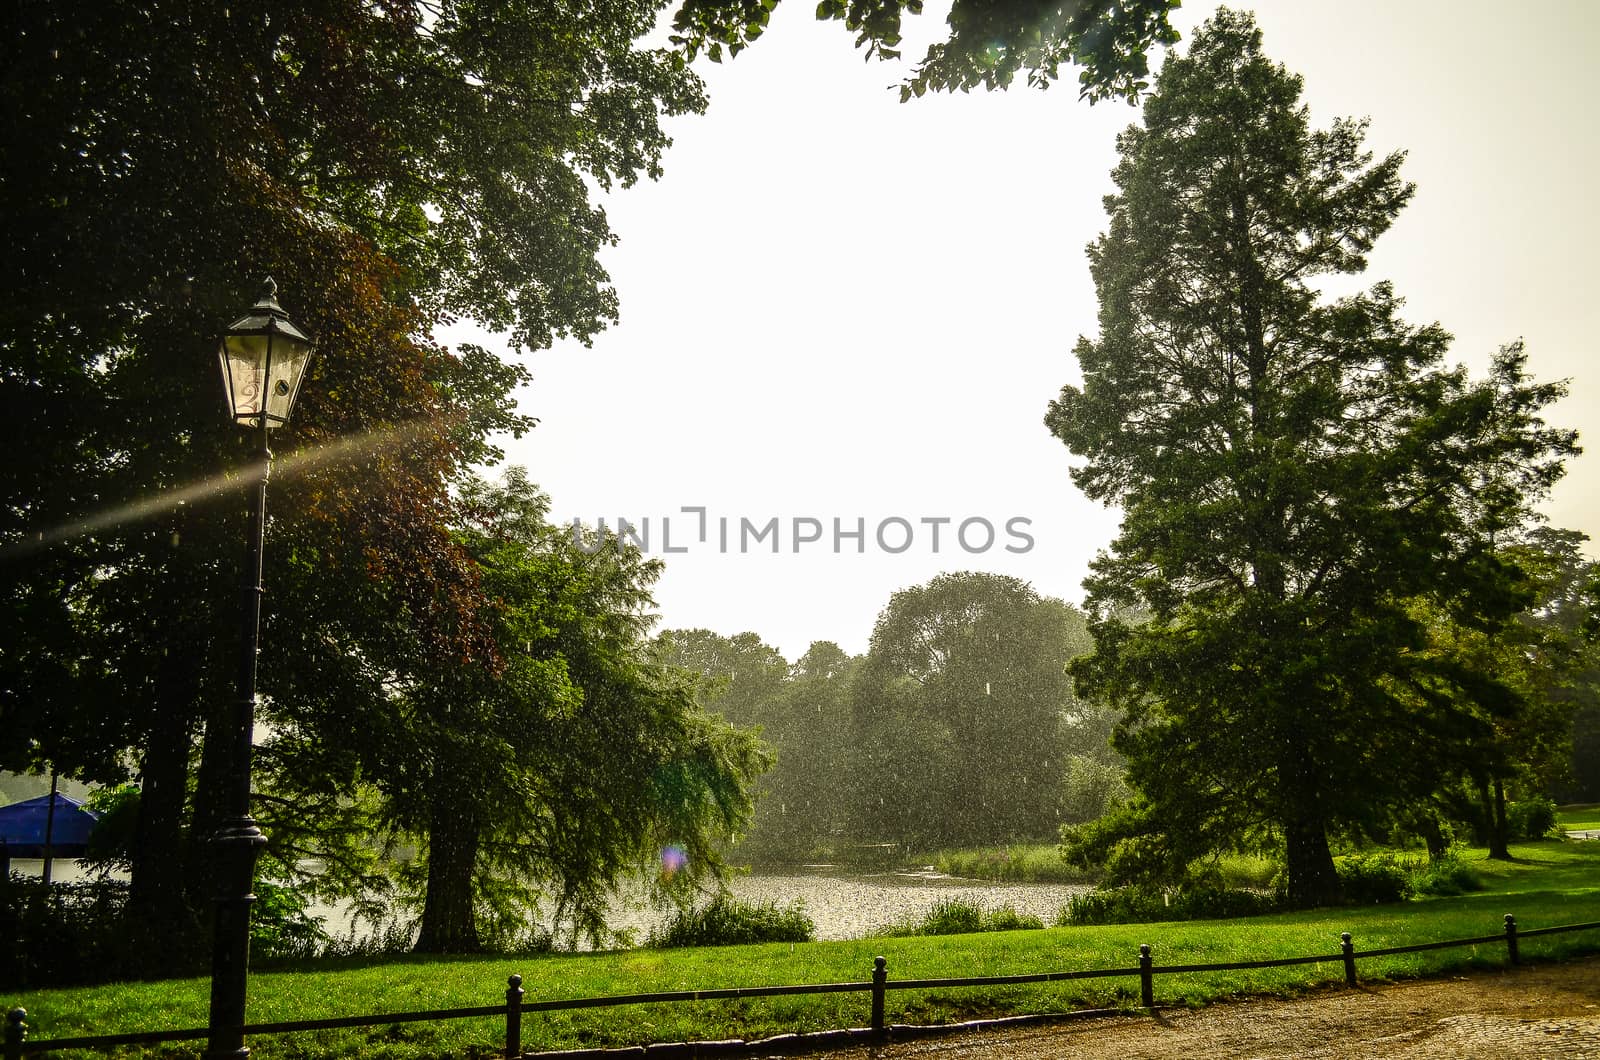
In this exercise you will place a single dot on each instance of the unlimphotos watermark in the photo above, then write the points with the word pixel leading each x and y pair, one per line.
pixel 741 535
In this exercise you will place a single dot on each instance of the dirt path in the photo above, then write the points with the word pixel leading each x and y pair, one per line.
pixel 1548 1010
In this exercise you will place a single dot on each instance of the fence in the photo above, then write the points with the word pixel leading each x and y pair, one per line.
pixel 17 1045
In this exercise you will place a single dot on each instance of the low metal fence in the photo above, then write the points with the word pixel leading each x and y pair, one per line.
pixel 18 1045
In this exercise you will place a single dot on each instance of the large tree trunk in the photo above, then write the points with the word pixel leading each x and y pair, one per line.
pixel 158 912
pixel 447 921
pixel 210 786
pixel 1495 811
pixel 1313 880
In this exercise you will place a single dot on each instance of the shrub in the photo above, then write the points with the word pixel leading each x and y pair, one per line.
pixel 281 926
pixel 1530 819
pixel 1144 904
pixel 1445 878
pixel 1115 905
pixel 727 921
pixel 951 916
pixel 1006 918
pixel 1025 862
pixel 1372 879
pixel 63 933
pixel 959 916
pixel 392 938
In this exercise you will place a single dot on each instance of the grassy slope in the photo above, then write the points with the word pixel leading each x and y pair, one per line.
pixel 1551 883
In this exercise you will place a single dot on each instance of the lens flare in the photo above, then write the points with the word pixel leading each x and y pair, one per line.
pixel 673 859
pixel 167 500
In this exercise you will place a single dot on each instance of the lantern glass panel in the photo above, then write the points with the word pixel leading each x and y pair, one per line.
pixel 268 364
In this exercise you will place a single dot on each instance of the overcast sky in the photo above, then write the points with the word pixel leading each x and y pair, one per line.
pixel 839 307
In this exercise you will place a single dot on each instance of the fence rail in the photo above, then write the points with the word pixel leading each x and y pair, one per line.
pixel 17 1044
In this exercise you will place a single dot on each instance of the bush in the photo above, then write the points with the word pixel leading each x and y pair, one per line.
pixel 729 922
pixel 1373 879
pixel 1143 904
pixel 1530 819
pixel 1445 878
pixel 62 933
pixel 1006 918
pixel 1116 905
pixel 281 926
pixel 1024 862
pixel 959 916
pixel 394 937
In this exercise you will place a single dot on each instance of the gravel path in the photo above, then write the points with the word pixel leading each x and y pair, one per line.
pixel 1550 1010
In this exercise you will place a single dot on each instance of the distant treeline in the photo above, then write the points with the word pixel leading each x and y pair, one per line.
pixel 958 727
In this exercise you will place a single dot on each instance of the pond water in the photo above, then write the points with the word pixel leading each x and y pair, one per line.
pixel 842 904
pixel 848 905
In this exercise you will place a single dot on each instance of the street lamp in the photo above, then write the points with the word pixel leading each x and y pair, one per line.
pixel 264 358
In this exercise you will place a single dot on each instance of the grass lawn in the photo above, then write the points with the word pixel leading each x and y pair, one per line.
pixel 1550 883
pixel 1582 818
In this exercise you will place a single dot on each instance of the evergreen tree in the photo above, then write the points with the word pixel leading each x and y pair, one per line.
pixel 1294 474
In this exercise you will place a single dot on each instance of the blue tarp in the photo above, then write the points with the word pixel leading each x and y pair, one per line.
pixel 22 826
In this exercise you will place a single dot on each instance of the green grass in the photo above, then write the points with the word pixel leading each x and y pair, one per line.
pixel 1550 883
pixel 1579 818
pixel 1012 863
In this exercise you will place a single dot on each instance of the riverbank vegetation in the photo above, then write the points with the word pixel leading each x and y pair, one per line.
pixel 1010 863
pixel 958 916
pixel 1548 883
pixel 727 921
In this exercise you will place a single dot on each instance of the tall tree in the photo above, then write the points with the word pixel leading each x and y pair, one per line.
pixel 393 165
pixel 1546 659
pixel 745 675
pixel 802 713
pixel 540 779
pixel 1293 472
pixel 962 706
pixel 804 808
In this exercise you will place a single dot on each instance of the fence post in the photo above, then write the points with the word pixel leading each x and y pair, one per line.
pixel 16 1033
pixel 513 1017
pixel 1349 950
pixel 1511 938
pixel 1147 986
pixel 880 976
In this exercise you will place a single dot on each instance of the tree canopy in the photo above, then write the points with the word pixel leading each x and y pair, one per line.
pixel 1295 472
pixel 393 166
pixel 989 44
pixel 537 782
pixel 962 711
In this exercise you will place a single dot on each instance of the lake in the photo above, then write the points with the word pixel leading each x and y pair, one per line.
pixel 849 905
pixel 842 904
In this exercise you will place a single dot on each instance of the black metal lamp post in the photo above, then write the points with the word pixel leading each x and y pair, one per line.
pixel 264 358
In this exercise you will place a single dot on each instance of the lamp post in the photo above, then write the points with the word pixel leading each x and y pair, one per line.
pixel 263 357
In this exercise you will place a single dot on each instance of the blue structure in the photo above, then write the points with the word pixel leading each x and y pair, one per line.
pixel 22 827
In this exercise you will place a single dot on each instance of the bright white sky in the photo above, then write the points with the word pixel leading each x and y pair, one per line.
pixel 838 306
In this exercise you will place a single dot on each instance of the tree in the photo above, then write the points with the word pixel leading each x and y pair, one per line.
pixel 538 780
pixel 990 41
pixel 802 714
pixel 1295 473
pixel 961 711
pixel 745 676
pixel 393 165
pixel 1546 659
pixel 804 809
